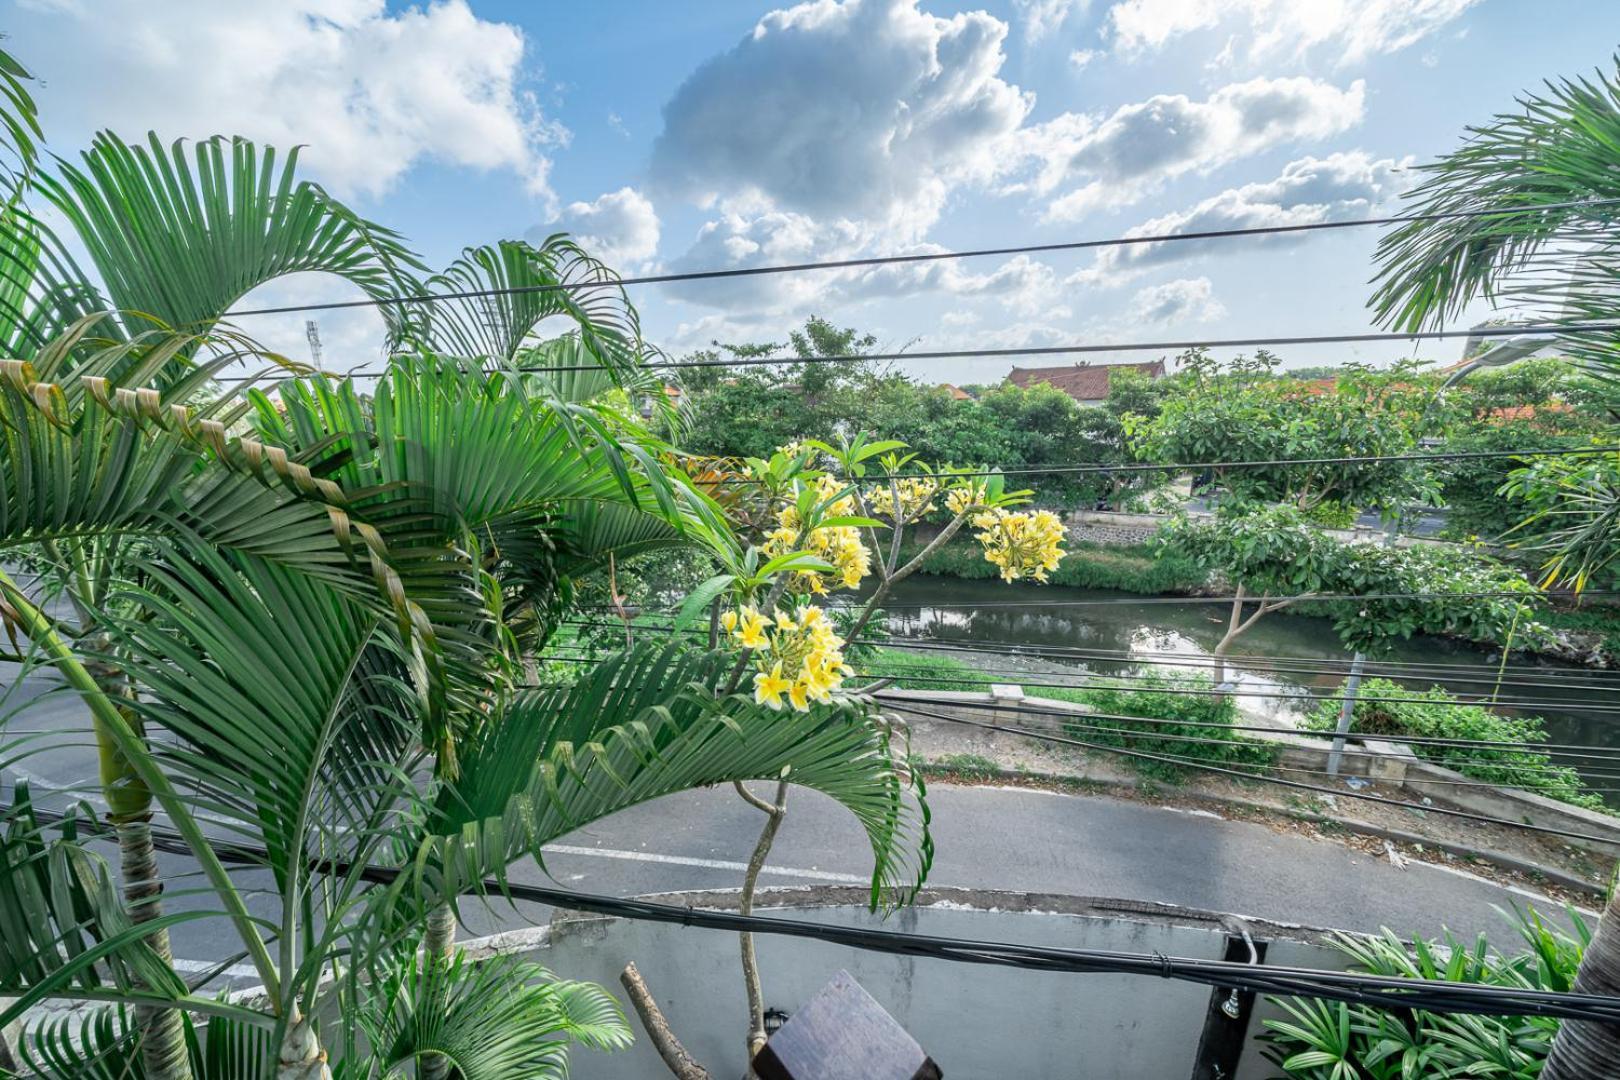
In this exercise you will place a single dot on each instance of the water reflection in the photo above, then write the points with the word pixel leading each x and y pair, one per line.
pixel 1278 665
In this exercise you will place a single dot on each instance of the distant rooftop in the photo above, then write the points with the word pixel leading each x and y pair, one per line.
pixel 1083 382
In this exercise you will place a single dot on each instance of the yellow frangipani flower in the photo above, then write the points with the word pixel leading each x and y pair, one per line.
pixel 752 634
pixel 794 653
pixel 769 686
pixel 728 621
pixel 1022 545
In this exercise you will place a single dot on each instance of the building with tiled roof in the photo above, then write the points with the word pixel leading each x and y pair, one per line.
pixel 1086 383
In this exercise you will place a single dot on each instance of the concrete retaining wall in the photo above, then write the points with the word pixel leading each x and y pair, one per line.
pixel 1102 526
pixel 1390 763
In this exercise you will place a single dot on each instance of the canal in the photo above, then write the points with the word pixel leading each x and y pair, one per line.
pixel 1280 666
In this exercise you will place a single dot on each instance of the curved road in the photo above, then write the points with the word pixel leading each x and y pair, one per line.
pixel 985 837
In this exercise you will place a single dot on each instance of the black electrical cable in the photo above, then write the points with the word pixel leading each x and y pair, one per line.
pixel 919 257
pixel 1608 679
pixel 1567 330
pixel 1144 601
pixel 1079 349
pixel 1280 667
pixel 1206 767
pixel 1101 681
pixel 1314 733
pixel 1375 990
pixel 1083 723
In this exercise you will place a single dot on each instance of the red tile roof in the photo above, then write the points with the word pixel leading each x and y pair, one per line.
pixel 1083 382
pixel 956 392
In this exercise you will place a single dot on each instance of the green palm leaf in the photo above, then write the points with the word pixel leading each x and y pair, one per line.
pixel 103 1045
pixel 521 287
pixel 1554 261
pixel 182 239
pixel 649 722
pixel 495 1019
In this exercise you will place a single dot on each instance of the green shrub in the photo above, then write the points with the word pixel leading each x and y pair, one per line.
pixel 1331 1040
pixel 1136 568
pixel 1207 718
pixel 1434 713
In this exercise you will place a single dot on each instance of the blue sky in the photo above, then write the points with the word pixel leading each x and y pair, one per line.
pixel 719 134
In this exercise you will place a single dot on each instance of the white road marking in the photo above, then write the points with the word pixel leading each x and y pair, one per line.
pixel 707 864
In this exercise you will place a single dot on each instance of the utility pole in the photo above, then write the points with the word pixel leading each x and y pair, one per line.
pixel 1505 352
pixel 312 331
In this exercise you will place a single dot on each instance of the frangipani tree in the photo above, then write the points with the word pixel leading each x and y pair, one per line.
pixel 810 522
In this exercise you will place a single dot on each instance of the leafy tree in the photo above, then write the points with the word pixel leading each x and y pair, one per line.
pixel 748 412
pixel 1245 413
pixel 1274 558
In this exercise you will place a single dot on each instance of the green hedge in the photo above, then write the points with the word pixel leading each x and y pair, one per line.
pixel 1436 714
pixel 1136 568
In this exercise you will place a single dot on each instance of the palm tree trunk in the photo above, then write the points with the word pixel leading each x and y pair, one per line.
pixel 163 1036
pixel 162 1031
pixel 438 945
pixel 1583 1049
pixel 301 1056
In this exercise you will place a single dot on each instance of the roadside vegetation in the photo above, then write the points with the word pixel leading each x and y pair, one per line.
pixel 1323 1040
pixel 1436 714
pixel 1188 721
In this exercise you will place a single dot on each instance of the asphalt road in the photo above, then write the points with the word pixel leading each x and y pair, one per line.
pixel 997 838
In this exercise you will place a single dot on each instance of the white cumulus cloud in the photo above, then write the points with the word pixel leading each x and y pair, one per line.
pixel 1307 191
pixel 1043 17
pixel 368 93
pixel 869 110
pixel 619 227
pixel 1354 28
pixel 1143 144
pixel 1182 300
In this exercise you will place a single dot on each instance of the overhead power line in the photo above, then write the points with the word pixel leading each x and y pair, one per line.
pixel 1222 770
pixel 1082 348
pixel 1133 601
pixel 1603 754
pixel 1379 991
pixel 919 257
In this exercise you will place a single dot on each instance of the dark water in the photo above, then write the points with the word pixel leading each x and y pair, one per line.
pixel 1279 664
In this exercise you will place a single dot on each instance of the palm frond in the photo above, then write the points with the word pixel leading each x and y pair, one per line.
pixel 103 1044
pixel 649 722
pixel 20 133
pixel 1559 148
pixel 63 928
pixel 493 1019
pixel 182 238
pixel 522 286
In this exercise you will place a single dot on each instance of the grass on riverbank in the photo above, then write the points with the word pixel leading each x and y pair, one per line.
pixel 1136 568
pixel 1198 727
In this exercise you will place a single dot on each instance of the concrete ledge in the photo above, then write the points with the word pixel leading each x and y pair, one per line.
pixel 1391 763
